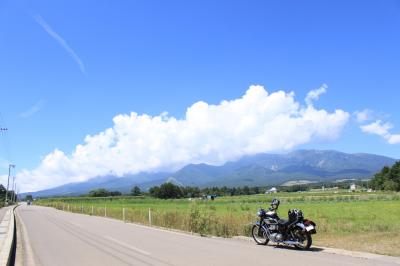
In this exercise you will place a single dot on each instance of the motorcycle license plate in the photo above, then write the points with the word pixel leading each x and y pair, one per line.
pixel 309 228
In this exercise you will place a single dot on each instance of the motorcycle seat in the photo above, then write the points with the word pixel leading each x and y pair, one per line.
pixel 283 222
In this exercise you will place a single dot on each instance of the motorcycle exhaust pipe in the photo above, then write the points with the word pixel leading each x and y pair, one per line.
pixel 291 242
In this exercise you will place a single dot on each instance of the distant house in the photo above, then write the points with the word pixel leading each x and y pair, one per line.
pixel 209 197
pixel 271 190
pixel 353 187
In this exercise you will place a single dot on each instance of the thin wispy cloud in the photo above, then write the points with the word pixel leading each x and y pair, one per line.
pixel 33 109
pixel 61 41
pixel 364 115
pixel 314 94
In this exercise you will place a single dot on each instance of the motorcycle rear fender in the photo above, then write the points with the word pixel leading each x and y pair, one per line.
pixel 301 225
pixel 307 222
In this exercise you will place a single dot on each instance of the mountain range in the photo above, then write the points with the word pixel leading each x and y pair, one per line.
pixel 256 170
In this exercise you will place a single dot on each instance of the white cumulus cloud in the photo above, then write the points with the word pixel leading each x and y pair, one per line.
pixel 382 129
pixel 257 122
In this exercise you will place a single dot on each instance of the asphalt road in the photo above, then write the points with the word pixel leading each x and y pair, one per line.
pixel 55 237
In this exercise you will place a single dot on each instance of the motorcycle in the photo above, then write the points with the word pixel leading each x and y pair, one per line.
pixel 296 231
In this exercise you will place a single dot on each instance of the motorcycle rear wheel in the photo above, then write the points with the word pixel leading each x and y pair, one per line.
pixel 259 235
pixel 306 239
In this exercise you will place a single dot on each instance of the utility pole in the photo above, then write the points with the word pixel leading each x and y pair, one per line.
pixel 8 181
pixel 15 193
pixel 13 189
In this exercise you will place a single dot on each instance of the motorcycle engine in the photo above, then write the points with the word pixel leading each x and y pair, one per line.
pixel 273 227
pixel 277 237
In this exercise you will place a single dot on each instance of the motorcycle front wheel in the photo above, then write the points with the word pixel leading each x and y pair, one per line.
pixel 304 238
pixel 259 235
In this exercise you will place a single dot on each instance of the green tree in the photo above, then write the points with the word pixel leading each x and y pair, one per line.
pixel 167 191
pixel 2 191
pixel 100 192
pixel 390 185
pixel 28 198
pixel 388 178
pixel 154 191
pixel 115 193
pixel 135 191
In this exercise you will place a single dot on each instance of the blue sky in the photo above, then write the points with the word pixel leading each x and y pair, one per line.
pixel 98 59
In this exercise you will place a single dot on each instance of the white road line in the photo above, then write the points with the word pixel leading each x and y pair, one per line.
pixel 127 245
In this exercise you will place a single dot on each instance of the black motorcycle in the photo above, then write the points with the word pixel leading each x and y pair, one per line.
pixel 295 231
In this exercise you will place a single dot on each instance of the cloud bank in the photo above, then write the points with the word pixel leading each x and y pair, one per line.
pixel 257 122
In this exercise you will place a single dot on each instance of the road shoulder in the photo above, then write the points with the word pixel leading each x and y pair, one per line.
pixel 24 253
pixel 350 253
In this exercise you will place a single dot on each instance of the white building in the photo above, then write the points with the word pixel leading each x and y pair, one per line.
pixel 353 187
pixel 271 190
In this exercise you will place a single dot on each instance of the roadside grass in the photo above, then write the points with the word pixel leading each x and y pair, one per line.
pixel 354 221
pixel 386 243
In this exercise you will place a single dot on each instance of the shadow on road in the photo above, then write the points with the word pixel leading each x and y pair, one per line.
pixel 312 249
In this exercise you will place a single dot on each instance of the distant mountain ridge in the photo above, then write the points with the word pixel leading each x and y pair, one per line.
pixel 256 170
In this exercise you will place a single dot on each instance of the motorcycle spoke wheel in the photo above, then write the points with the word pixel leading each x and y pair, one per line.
pixel 304 238
pixel 259 235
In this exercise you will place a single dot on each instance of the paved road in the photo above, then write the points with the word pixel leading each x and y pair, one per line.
pixel 61 238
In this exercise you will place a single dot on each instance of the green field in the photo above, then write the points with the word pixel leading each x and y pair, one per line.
pixel 355 221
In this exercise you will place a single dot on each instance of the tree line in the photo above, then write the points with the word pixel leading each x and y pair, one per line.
pixel 173 191
pixel 170 190
pixel 102 192
pixel 10 195
pixel 388 178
